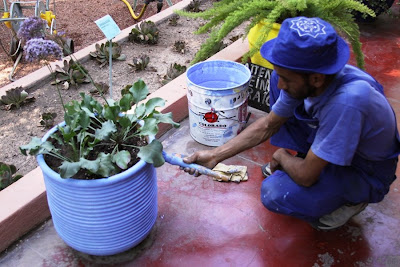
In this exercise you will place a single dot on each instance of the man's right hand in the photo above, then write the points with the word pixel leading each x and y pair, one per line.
pixel 205 158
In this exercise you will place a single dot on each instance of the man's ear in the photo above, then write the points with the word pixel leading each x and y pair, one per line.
pixel 317 79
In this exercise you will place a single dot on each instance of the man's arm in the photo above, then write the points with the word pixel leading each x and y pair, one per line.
pixel 256 133
pixel 304 172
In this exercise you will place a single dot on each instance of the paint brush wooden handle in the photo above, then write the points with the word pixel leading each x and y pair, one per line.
pixel 176 159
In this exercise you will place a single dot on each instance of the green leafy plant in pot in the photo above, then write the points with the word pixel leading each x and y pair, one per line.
pixel 227 15
pixel 99 169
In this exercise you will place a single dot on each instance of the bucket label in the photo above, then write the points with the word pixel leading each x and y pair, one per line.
pixel 214 128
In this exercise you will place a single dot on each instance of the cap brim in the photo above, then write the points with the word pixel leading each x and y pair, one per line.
pixel 343 55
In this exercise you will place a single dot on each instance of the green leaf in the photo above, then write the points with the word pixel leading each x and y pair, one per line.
pixel 107 128
pixel 125 122
pixel 149 128
pixel 166 118
pixel 107 168
pixel 122 159
pixel 36 147
pixel 132 118
pixel 126 102
pixel 111 112
pixel 46 147
pixel 88 112
pixel 90 103
pixel 90 165
pixel 84 120
pixel 69 169
pixel 152 153
pixel 139 91
pixel 32 148
pixel 153 103
pixel 66 132
pixel 140 110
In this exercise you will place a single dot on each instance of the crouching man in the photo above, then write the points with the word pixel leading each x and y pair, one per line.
pixel 334 115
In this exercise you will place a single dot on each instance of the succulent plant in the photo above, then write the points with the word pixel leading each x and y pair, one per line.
pixel 180 47
pixel 174 70
pixel 102 54
pixel 15 97
pixel 47 120
pixel 194 6
pixel 140 63
pixel 7 176
pixel 100 89
pixel 235 38
pixel 145 33
pixel 70 74
pixel 173 21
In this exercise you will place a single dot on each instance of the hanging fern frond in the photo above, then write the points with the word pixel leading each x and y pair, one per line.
pixel 226 15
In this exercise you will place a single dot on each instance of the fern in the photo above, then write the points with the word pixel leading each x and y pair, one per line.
pixel 226 15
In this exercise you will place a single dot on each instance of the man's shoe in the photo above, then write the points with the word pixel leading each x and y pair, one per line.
pixel 339 217
pixel 266 170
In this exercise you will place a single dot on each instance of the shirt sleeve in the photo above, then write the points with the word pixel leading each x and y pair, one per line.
pixel 338 134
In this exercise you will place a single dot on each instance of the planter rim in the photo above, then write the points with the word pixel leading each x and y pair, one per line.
pixel 82 182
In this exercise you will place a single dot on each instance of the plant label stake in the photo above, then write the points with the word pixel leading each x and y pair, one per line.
pixel 110 66
pixel 110 29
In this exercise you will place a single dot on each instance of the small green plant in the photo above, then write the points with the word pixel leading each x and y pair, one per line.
pixel 146 33
pixel 102 54
pixel 15 97
pixel 7 175
pixel 47 120
pixel 235 38
pixel 70 74
pixel 173 21
pixel 180 47
pixel 140 63
pixel 194 6
pixel 173 71
pixel 100 89
pixel 99 137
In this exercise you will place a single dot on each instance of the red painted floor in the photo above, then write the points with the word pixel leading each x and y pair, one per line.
pixel 206 223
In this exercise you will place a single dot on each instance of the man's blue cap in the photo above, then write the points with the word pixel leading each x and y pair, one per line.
pixel 307 45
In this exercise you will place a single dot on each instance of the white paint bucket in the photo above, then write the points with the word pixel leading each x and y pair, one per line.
pixel 217 96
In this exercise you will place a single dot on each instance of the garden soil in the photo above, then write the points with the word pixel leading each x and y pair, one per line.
pixel 76 18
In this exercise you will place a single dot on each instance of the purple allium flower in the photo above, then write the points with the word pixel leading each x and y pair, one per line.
pixel 37 49
pixel 32 27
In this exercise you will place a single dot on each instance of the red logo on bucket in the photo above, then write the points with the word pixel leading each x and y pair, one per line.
pixel 211 117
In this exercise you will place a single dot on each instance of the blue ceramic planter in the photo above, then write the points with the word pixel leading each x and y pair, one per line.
pixel 104 216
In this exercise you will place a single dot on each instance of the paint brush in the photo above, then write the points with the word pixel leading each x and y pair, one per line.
pixel 176 159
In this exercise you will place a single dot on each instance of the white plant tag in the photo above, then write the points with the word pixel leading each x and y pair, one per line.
pixel 108 26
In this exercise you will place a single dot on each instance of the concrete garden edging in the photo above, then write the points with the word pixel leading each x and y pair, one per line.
pixel 24 202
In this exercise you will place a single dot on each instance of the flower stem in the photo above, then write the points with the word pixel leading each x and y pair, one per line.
pixel 55 79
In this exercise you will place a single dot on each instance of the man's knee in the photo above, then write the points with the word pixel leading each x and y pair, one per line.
pixel 280 194
pixel 272 192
